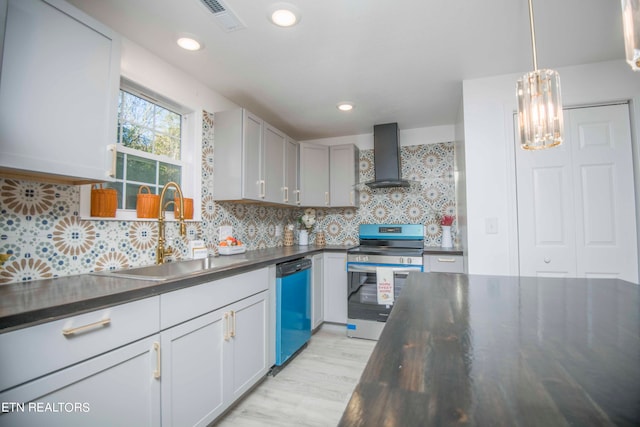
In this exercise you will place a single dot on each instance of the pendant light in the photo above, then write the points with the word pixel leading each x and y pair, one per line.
pixel 539 104
pixel 631 27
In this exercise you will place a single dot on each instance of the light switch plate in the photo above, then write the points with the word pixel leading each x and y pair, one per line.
pixel 491 225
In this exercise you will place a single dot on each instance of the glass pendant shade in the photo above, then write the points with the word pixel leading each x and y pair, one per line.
pixel 631 27
pixel 539 110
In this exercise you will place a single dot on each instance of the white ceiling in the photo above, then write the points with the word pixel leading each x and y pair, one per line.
pixel 398 61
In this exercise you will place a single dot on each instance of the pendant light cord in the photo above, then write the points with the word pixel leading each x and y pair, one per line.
pixel 533 37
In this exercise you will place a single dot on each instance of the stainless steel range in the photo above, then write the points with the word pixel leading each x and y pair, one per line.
pixel 377 271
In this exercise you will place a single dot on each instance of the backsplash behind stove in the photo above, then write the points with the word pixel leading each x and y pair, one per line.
pixel 40 225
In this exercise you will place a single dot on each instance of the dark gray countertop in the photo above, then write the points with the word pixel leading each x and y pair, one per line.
pixel 25 304
pixel 493 350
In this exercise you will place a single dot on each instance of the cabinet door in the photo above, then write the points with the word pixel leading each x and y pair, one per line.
pixel 58 92
pixel 116 388
pixel 273 165
pixel 317 294
pixel 291 173
pixel 314 175
pixel 192 379
pixel 343 161
pixel 335 287
pixel 252 187
pixel 246 360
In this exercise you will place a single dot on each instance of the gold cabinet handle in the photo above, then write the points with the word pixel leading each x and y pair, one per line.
pixel 233 324
pixel 446 260
pixel 286 194
pixel 326 198
pixel 114 160
pixel 69 332
pixel 263 189
pixel 226 326
pixel 298 197
pixel 156 373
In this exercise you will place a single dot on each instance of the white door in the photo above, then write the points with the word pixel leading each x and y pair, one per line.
pixel 576 203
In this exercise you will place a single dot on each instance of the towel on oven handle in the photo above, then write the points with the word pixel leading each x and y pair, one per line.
pixel 384 279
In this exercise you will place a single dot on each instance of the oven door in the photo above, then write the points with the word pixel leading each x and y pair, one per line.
pixel 363 290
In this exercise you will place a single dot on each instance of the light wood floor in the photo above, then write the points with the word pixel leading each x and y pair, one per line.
pixel 312 390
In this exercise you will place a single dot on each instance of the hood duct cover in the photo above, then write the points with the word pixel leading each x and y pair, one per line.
pixel 386 157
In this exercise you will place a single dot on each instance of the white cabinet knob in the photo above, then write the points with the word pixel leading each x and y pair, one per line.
pixel 547 260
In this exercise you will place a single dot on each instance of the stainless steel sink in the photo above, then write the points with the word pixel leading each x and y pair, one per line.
pixel 170 270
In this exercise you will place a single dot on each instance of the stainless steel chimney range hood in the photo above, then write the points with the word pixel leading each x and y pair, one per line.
pixel 386 157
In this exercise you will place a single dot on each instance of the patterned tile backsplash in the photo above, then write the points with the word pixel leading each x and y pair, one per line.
pixel 41 229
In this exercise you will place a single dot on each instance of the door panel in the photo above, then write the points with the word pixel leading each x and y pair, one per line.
pixel 545 208
pixel 605 198
pixel 252 128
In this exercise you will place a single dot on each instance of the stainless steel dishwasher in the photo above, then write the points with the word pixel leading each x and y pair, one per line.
pixel 293 307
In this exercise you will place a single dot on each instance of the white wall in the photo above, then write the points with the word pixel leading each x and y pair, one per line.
pixel 489 145
pixel 418 136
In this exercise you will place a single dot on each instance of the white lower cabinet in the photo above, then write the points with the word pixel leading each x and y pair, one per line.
pixel 117 388
pixel 335 287
pixel 179 359
pixel 443 263
pixel 192 371
pixel 317 294
pixel 210 361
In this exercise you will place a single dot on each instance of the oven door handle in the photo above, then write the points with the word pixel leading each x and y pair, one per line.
pixel 373 269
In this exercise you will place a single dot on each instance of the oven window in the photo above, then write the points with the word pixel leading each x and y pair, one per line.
pixel 363 287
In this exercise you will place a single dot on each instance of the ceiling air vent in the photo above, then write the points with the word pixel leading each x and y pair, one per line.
pixel 224 16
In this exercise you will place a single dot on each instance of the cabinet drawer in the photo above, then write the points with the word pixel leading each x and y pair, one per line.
pixel 446 263
pixel 185 304
pixel 32 352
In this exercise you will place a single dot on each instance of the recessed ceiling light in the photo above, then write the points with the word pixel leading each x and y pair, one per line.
pixel 189 42
pixel 345 106
pixel 284 15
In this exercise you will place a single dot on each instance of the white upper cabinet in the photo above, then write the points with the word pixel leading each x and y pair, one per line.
pixel 328 175
pixel 314 175
pixel 273 165
pixel 291 173
pixel 248 159
pixel 59 86
pixel 343 176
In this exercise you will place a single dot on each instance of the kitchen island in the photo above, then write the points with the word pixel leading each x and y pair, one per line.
pixel 494 350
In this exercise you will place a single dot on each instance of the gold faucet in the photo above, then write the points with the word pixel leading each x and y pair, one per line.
pixel 161 251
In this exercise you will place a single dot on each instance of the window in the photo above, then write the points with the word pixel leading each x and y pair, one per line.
pixel 149 147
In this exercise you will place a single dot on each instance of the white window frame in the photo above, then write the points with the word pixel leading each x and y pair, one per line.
pixel 190 163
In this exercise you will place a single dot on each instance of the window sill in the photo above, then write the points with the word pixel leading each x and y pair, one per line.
pixel 126 214
pixel 116 218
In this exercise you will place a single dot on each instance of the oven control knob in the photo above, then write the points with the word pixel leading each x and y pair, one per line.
pixel 401 260
pixel 408 260
pixel 365 258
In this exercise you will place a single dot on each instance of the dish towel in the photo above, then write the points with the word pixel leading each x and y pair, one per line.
pixel 384 278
